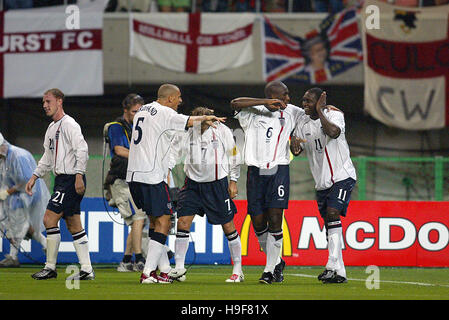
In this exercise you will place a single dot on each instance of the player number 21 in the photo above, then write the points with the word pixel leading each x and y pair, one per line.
pixel 59 196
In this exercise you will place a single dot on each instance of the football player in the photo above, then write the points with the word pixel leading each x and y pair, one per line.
pixel 322 135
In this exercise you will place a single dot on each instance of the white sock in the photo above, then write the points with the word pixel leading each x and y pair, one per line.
pixel 262 237
pixel 274 246
pixel 39 237
pixel 81 244
pixel 235 249
pixel 181 247
pixel 156 248
pixel 53 241
pixel 341 270
pixel 334 248
pixel 14 247
pixel 164 263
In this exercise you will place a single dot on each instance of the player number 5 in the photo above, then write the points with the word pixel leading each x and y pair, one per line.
pixel 139 130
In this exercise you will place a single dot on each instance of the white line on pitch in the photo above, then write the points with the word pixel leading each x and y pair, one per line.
pixel 384 281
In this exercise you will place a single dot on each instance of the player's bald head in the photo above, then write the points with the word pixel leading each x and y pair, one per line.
pixel 275 89
pixel 167 90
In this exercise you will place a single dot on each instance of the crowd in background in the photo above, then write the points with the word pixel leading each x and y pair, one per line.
pixel 230 5
pixel 330 6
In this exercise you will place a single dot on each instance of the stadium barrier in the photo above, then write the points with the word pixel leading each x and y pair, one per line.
pixel 378 178
pixel 382 233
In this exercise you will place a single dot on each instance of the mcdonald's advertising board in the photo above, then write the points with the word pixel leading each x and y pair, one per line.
pixel 382 233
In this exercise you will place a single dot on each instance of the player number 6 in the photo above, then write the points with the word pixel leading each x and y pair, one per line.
pixel 281 191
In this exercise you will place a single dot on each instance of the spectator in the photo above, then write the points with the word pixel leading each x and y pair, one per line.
pixel 300 6
pixel 429 3
pixel 47 3
pixel 276 6
pixel 21 215
pixel 214 5
pixel 249 5
pixel 18 4
pixel 330 6
pixel 111 6
pixel 134 5
pixel 174 5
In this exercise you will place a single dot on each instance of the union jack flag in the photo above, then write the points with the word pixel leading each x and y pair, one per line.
pixel 332 48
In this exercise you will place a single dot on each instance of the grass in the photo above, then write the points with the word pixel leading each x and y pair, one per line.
pixel 208 283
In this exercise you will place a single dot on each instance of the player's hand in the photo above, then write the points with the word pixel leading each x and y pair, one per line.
pixel 232 189
pixel 295 145
pixel 80 188
pixel 275 104
pixel 29 186
pixel 210 121
pixel 321 103
pixel 4 194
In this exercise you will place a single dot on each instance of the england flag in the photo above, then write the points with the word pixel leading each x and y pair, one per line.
pixel 52 47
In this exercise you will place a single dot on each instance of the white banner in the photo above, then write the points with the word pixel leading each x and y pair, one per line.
pixel 193 43
pixel 52 47
pixel 406 59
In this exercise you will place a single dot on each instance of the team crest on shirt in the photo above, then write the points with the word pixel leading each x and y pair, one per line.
pixel 282 120
pixel 214 143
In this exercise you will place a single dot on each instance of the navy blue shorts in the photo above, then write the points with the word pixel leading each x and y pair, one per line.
pixel 153 199
pixel 267 190
pixel 337 196
pixel 210 198
pixel 64 198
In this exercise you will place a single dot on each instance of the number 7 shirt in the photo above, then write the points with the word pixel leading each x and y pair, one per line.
pixel 154 129
pixel 329 159
pixel 267 134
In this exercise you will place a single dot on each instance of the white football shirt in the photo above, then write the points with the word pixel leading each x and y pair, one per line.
pixel 329 159
pixel 267 134
pixel 65 150
pixel 154 128
pixel 209 156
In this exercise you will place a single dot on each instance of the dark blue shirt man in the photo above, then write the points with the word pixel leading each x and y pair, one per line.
pixel 119 134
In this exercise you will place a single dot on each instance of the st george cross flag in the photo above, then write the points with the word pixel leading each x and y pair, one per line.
pixel 193 43
pixel 321 54
pixel 44 48
pixel 407 65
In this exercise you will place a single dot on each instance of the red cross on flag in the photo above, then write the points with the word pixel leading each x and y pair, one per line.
pixel 407 65
pixel 45 48
pixel 193 43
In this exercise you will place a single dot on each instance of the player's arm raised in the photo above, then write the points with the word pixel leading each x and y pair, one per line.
pixel 208 120
pixel 329 128
pixel 244 102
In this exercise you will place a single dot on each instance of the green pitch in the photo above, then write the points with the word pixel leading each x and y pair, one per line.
pixel 208 283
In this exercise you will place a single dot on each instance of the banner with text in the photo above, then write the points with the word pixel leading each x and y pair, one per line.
pixel 382 233
pixel 52 47
pixel 407 65
pixel 192 43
